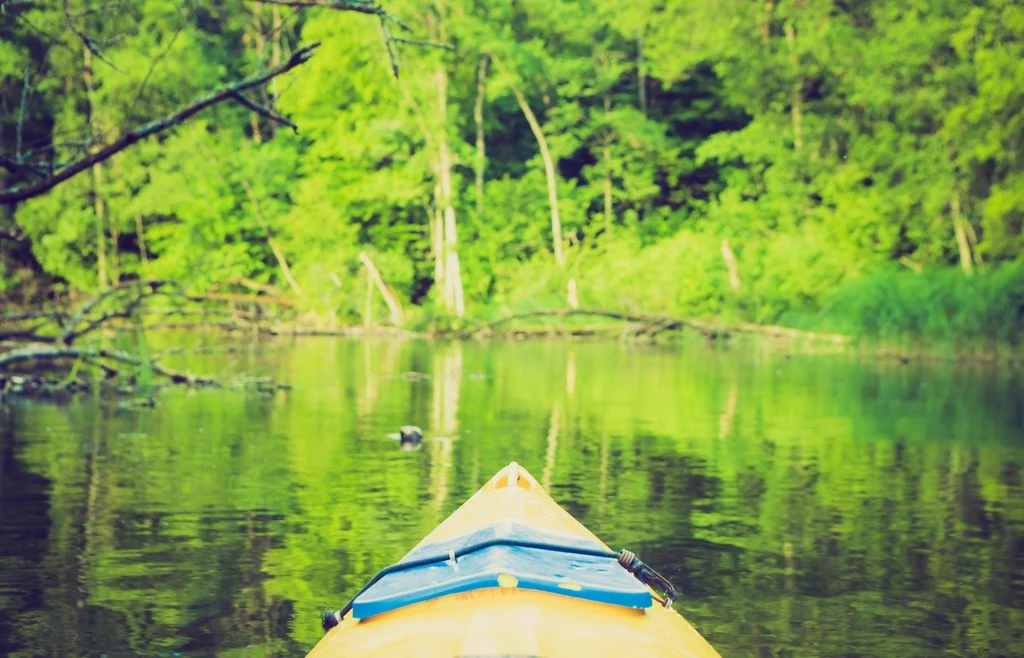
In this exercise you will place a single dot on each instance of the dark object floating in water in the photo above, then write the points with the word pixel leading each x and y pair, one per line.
pixel 411 437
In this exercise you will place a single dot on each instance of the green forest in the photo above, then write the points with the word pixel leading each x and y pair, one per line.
pixel 844 165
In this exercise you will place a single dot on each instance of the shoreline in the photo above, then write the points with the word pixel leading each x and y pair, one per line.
pixel 801 342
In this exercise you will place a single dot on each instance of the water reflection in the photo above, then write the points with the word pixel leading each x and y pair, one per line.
pixel 804 506
pixel 447 383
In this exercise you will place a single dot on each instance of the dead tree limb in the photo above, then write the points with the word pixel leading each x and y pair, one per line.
pixel 387 44
pixel 246 282
pixel 231 297
pixel 390 298
pixel 141 290
pixel 654 324
pixel 16 167
pixel 424 44
pixel 264 112
pixel 359 6
pixel 371 8
pixel 86 40
pixel 156 60
pixel 282 261
pixel 135 135
pixel 48 352
pixel 28 334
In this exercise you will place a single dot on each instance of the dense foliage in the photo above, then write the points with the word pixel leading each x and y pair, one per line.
pixel 762 161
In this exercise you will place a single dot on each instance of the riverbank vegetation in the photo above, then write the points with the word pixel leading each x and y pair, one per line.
pixel 841 167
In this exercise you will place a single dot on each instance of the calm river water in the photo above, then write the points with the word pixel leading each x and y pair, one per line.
pixel 804 506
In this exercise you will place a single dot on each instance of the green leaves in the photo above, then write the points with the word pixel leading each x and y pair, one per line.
pixel 851 136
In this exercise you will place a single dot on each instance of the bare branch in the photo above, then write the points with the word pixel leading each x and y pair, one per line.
pixel 656 323
pixel 25 334
pixel 367 7
pixel 133 136
pixel 387 43
pixel 425 44
pixel 341 5
pixel 20 168
pixel 140 288
pixel 271 242
pixel 287 22
pixel 49 38
pixel 156 60
pixel 63 352
pixel 87 41
pixel 259 109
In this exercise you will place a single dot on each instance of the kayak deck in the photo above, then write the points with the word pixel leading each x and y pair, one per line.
pixel 507 598
pixel 505 555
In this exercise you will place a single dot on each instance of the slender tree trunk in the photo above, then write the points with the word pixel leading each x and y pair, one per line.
pixel 641 73
pixel 453 276
pixel 140 234
pixel 254 123
pixel 115 262
pixel 549 169
pixel 437 240
pixel 606 153
pixel 97 179
pixel 394 306
pixel 283 264
pixel 478 116
pixel 572 295
pixel 258 44
pixel 275 53
pixel 972 239
pixel 368 301
pixel 279 256
pixel 966 262
pixel 796 99
pixel 100 211
pixel 730 263
pixel 766 27
pixel 447 273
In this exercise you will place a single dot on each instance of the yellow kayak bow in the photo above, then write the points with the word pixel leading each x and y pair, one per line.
pixel 511 573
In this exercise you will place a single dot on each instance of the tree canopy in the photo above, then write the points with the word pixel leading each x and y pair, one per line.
pixel 715 158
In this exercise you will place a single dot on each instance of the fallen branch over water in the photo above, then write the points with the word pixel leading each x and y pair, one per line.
pixel 98 356
pixel 42 351
pixel 650 325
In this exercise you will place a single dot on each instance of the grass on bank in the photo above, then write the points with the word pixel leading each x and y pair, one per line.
pixel 940 311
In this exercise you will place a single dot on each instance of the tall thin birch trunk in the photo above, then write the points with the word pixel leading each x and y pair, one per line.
pixel 478 117
pixel 99 207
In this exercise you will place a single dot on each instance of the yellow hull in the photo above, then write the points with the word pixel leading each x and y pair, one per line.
pixel 509 620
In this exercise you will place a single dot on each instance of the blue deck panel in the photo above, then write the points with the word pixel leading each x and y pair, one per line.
pixel 598 579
